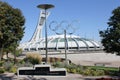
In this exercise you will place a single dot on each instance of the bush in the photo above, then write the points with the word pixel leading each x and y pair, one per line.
pixel 53 59
pixel 1 63
pixel 73 69
pixel 58 60
pixel 28 64
pixel 2 70
pixel 88 72
pixel 56 64
pixel 13 69
pixel 33 58
pixel 22 62
pixel 79 71
pixel 8 65
pixel 101 72
pixel 93 72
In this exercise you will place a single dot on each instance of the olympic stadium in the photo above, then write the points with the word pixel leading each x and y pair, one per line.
pixel 57 42
pixel 80 51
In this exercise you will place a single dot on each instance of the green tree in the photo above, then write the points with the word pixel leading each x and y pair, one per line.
pixel 11 26
pixel 111 36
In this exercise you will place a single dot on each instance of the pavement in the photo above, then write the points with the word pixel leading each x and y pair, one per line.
pixel 91 59
pixel 11 76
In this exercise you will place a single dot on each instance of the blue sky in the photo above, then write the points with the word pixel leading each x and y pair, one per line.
pixel 93 15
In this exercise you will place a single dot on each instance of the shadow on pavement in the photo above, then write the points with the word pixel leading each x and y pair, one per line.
pixel 42 79
pixel 5 77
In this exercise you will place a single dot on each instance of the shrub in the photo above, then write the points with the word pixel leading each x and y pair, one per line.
pixel 7 65
pixel 79 71
pixel 88 72
pixel 13 69
pixel 93 72
pixel 58 59
pixel 28 64
pixel 56 64
pixel 101 72
pixel 73 69
pixel 52 59
pixel 22 62
pixel 1 63
pixel 2 70
pixel 33 58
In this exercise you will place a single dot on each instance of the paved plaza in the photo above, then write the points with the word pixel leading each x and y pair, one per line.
pixel 109 60
pixel 88 59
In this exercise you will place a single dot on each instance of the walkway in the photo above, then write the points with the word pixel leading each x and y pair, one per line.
pixel 11 76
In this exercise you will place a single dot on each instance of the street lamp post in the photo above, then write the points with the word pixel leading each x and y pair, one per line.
pixel 46 7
